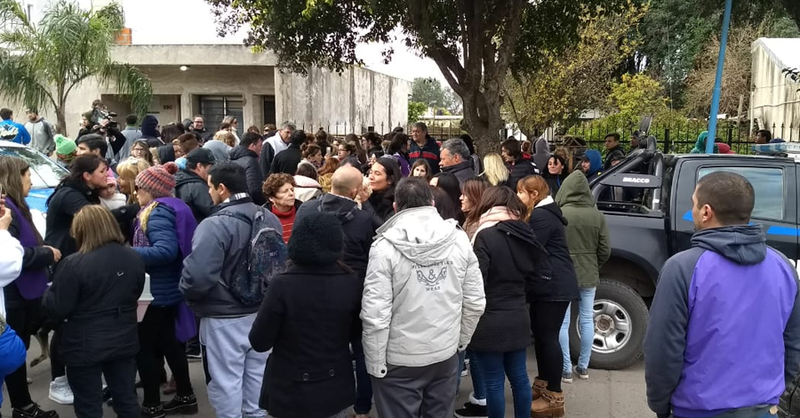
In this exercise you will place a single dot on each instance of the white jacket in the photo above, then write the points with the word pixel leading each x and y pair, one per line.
pixel 423 294
pixel 10 264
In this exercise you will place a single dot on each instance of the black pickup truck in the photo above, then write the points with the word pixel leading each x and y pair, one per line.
pixel 647 201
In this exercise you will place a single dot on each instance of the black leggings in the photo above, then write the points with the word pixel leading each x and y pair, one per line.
pixel 546 320
pixel 23 316
pixel 157 335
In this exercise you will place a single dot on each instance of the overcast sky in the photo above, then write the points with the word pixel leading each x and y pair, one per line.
pixel 191 22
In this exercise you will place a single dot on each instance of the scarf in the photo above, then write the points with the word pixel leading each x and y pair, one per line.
pixel 185 224
pixel 491 218
pixel 31 283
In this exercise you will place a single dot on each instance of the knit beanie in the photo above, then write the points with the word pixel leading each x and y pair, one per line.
pixel 317 239
pixel 159 181
pixel 64 145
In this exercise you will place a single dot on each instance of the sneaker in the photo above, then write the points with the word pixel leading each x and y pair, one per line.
pixel 193 355
pixel 472 410
pixel 153 412
pixel 181 405
pixel 566 378
pixel 60 392
pixel 583 374
pixel 33 411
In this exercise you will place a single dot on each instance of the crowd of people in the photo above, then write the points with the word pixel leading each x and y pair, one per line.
pixel 310 273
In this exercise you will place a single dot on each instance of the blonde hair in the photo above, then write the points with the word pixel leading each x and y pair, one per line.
pixel 226 137
pixel 494 169
pixel 131 168
pixel 530 184
pixel 93 227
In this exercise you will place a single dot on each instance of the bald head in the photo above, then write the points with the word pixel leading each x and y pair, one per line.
pixel 346 181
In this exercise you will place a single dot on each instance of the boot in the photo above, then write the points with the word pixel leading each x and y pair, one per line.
pixel 550 405
pixel 538 386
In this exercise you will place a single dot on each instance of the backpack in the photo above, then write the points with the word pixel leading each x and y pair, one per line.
pixel 266 258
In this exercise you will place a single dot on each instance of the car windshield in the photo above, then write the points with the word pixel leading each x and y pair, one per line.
pixel 45 173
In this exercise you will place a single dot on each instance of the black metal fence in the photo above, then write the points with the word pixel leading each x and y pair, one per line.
pixel 440 131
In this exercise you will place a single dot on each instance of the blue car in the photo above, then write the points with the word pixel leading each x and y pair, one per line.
pixel 45 175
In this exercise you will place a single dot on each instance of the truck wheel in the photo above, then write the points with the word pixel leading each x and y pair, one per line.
pixel 620 324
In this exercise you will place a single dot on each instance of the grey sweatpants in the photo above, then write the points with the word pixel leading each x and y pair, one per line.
pixel 424 392
pixel 235 370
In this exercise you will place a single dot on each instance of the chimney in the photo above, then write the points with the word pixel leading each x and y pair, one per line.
pixel 124 37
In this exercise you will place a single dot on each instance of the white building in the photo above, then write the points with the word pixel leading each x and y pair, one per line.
pixel 775 100
pixel 195 72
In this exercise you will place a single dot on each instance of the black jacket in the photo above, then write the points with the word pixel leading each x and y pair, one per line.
pixel 193 190
pixel 509 258
pixel 463 171
pixel 309 317
pixel 558 281
pixel 248 160
pixel 383 205
pixel 287 161
pixel 265 159
pixel 95 295
pixel 64 204
pixel 357 226
pixel 522 168
pixel 611 154
pixel 554 182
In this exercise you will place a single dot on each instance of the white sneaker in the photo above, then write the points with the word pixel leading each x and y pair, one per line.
pixel 60 392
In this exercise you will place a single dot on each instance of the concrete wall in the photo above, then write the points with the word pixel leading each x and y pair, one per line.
pixel 775 100
pixel 343 103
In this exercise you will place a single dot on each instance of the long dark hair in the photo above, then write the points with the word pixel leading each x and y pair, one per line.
pixel 449 183
pixel 11 171
pixel 501 196
pixel 83 164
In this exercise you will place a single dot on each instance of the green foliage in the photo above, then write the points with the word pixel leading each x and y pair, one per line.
pixel 42 63
pixel 575 80
pixel 431 92
pixel 416 110
pixel 636 96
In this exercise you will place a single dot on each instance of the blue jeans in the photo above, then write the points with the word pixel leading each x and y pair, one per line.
pixel 478 383
pixel 495 367
pixel 363 401
pixel 586 321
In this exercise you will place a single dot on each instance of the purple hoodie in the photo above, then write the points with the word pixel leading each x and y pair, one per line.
pixel 724 330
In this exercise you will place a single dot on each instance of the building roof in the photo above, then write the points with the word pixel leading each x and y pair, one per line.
pixel 782 50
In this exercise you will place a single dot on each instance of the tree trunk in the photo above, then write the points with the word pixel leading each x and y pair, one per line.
pixel 61 121
pixel 483 121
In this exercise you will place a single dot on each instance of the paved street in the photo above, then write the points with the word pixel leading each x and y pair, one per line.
pixel 618 394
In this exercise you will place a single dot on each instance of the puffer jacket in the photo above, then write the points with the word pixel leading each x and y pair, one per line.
pixel 163 256
pixel 248 160
pixel 557 281
pixel 219 248
pixel 306 189
pixel 193 190
pixel 587 233
pixel 423 294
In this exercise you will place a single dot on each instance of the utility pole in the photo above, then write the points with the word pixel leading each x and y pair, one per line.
pixel 723 44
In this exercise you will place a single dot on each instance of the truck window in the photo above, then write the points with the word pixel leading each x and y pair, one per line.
pixel 769 185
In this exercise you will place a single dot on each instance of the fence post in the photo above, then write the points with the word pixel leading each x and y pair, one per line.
pixel 666 141
pixel 730 135
pixel 783 125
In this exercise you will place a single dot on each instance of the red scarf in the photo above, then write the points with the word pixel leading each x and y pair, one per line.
pixel 287 221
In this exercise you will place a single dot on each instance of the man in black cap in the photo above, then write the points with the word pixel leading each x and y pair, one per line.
pixel 191 184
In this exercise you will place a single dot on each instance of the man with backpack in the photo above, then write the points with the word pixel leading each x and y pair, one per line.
pixel 234 253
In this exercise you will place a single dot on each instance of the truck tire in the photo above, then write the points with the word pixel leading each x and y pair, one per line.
pixel 620 319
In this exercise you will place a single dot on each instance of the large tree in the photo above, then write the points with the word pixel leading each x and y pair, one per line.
pixel 473 42
pixel 575 80
pixel 40 64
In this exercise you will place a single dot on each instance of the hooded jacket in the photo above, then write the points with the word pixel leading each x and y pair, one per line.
pixel 557 281
pixel 429 152
pixel 587 233
pixel 193 190
pixel 541 152
pixel 508 255
pixel 700 145
pixel 522 168
pixel 306 188
pixel 248 160
pixel 595 164
pixel 724 330
pixel 219 248
pixel 423 294
pixel 150 132
pixel 356 223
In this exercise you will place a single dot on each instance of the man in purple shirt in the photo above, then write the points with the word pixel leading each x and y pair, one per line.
pixel 724 332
